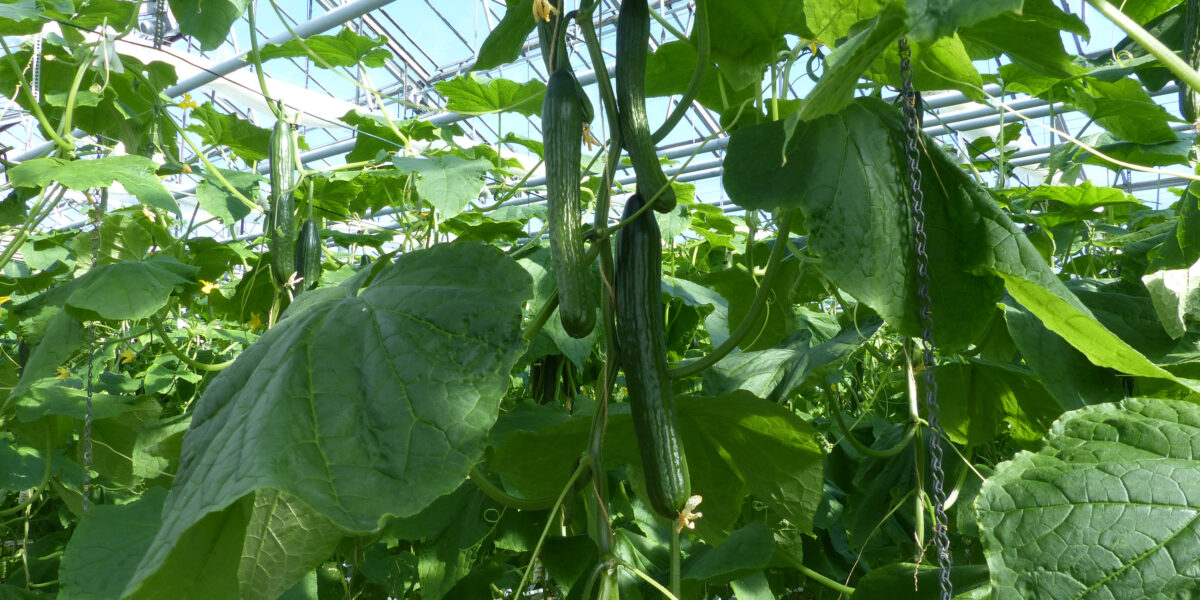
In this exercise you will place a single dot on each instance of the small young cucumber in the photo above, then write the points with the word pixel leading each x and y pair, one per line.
pixel 633 42
pixel 562 132
pixel 640 334
pixel 1189 98
pixel 308 255
pixel 281 218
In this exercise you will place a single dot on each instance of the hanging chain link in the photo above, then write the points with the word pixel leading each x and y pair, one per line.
pixel 941 540
pixel 36 78
pixel 160 22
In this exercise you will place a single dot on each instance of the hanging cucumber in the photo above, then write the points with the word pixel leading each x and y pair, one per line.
pixel 562 132
pixel 1189 98
pixel 308 255
pixel 640 333
pixel 633 42
pixel 281 219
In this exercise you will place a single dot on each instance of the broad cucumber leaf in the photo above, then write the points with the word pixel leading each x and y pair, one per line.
pixel 748 34
pixel 284 539
pixel 1031 39
pixel 503 45
pixel 207 20
pixel 447 182
pixel 346 49
pixel 129 290
pixel 933 19
pixel 1176 296
pixel 107 545
pixel 136 173
pixel 1066 373
pixel 1124 108
pixel 842 172
pixel 831 20
pixel 747 551
pixel 1108 509
pixel 942 64
pixel 897 580
pixel 362 407
pixel 845 65
pixel 243 138
pixel 473 95
pixel 729 440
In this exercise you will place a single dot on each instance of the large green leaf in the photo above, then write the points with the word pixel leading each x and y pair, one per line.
pixel 747 551
pixel 243 138
pixel 472 95
pixel 1124 108
pixel 728 440
pixel 1067 374
pixel 1176 296
pixel 845 65
pixel 1108 509
pixel 932 19
pixel 361 407
pixel 134 172
pixel 207 20
pixel 898 580
pixel 107 545
pixel 346 49
pixel 831 20
pixel 1031 38
pixel 129 290
pixel 503 45
pixel 447 182
pixel 284 539
pixel 746 35
pixel 842 172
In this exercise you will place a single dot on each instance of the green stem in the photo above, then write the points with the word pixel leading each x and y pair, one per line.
pixel 815 576
pixel 537 549
pixel 693 88
pixel 257 59
pixel 756 307
pixel 40 211
pixel 909 432
pixel 189 361
pixel 1164 54
pixel 72 95
pixel 494 492
pixel 648 579
pixel 675 561
pixel 34 106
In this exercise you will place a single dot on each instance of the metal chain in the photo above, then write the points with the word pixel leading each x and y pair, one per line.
pixel 97 218
pixel 36 82
pixel 160 23
pixel 941 540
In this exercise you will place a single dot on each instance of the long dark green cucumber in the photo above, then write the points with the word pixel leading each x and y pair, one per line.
pixel 562 132
pixel 633 43
pixel 640 332
pixel 308 255
pixel 281 220
pixel 1189 98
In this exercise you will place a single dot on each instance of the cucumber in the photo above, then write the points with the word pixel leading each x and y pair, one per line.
pixel 562 132
pixel 1189 98
pixel 281 219
pixel 640 334
pixel 633 43
pixel 308 255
